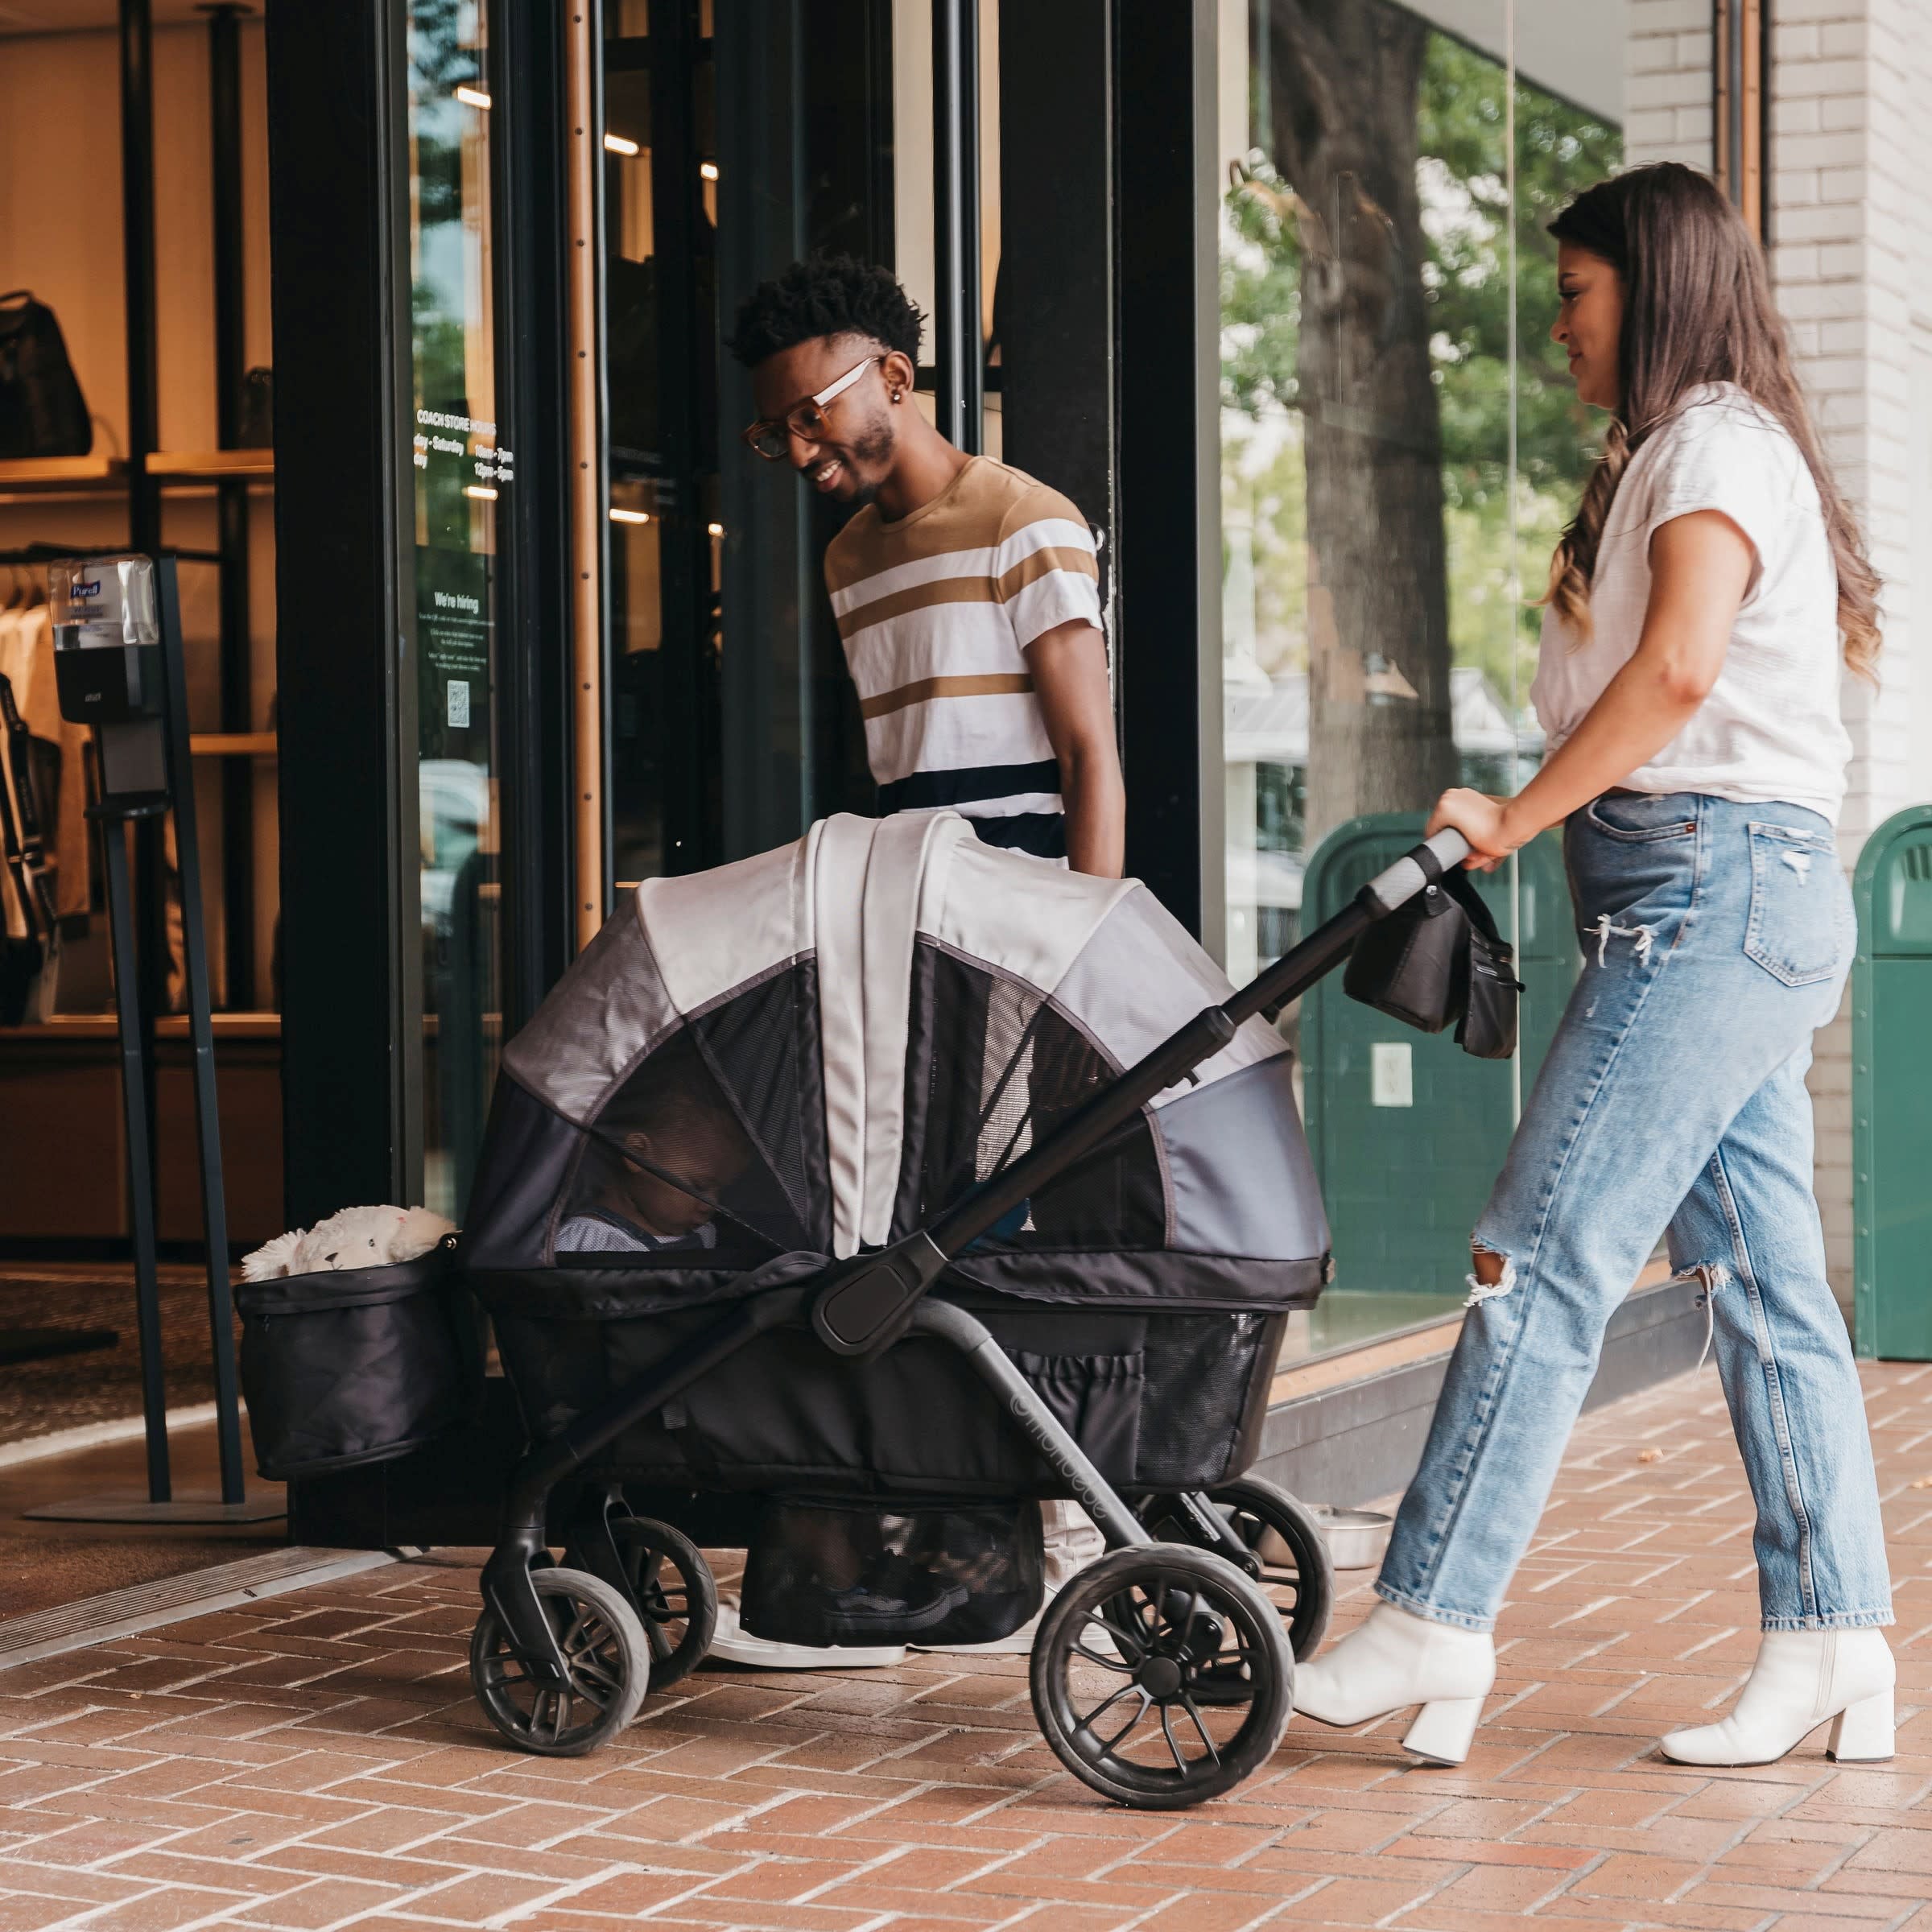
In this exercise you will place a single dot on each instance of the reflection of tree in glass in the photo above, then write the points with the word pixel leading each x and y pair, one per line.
pixel 1559 150
pixel 1367 289
pixel 442 56
pixel 1342 118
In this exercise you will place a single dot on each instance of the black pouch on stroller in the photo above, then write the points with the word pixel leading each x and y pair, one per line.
pixel 945 1573
pixel 1440 958
pixel 357 1365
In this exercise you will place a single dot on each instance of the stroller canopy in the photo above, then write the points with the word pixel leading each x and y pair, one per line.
pixel 820 1049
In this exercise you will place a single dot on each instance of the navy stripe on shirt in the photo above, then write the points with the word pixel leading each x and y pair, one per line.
pixel 926 791
pixel 1043 834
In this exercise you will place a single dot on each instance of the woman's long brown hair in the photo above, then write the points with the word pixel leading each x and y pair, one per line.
pixel 1697 309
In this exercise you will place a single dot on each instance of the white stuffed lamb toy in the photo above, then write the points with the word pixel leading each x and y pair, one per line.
pixel 356 1238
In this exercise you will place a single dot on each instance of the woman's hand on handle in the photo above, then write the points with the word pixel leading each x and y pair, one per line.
pixel 1484 821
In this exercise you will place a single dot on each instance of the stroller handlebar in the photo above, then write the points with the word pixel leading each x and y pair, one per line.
pixel 1397 884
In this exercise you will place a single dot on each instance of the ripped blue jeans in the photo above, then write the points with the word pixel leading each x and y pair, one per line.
pixel 1716 938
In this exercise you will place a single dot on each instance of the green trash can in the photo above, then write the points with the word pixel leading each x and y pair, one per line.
pixel 1892 1090
pixel 1407 1131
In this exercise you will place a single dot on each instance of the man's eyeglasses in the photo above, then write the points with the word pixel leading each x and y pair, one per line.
pixel 806 419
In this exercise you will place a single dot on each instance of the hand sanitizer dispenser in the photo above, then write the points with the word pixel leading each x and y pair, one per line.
pixel 109 666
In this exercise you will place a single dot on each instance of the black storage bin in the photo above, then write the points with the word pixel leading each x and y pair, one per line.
pixel 1160 1400
pixel 356 1366
pixel 820 1572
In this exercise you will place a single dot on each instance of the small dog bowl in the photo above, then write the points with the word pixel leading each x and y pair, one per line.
pixel 1355 1537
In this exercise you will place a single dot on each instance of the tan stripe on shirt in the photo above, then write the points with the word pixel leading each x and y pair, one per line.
pixel 975 589
pixel 990 684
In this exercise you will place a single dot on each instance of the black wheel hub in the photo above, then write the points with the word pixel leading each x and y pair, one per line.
pixel 1160 1677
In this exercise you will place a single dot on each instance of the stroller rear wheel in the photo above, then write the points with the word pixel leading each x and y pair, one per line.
pixel 1281 1532
pixel 673 1591
pixel 605 1654
pixel 1161 1677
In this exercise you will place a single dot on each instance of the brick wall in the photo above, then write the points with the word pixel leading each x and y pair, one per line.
pixel 1667 110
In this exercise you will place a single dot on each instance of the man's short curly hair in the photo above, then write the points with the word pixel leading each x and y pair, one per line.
pixel 825 295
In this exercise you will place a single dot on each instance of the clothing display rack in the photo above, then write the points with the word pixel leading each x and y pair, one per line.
pixel 145 474
pixel 34 1344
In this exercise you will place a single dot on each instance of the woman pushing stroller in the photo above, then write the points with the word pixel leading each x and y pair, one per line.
pixel 1698 609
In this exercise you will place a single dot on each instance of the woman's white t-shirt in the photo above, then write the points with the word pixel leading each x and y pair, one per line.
pixel 1770 730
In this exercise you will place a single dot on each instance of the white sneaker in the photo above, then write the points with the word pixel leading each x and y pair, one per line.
pixel 1069 1540
pixel 733 1644
pixel 1018 1644
pixel 1394 1660
pixel 1801 1678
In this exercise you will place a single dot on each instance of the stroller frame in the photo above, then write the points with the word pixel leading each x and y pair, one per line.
pixel 860 1307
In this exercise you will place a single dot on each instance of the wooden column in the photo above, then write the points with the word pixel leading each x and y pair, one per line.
pixel 1742 59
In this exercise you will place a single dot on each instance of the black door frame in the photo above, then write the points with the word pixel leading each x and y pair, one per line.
pixel 352 997
pixel 332 84
pixel 1167 455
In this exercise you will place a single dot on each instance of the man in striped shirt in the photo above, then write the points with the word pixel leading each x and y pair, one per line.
pixel 967 598
pixel 967 594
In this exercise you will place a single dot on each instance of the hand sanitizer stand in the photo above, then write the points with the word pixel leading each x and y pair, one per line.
pixel 119 665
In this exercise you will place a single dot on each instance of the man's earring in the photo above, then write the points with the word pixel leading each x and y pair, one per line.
pixel 896 395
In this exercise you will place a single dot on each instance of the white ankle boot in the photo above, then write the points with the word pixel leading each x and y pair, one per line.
pixel 1397 1659
pixel 1801 1678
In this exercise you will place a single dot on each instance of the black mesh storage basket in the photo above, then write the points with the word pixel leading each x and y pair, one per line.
pixel 824 1572
pixel 1160 1400
pixel 358 1365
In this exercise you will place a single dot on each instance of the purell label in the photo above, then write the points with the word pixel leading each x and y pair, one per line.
pixel 104 603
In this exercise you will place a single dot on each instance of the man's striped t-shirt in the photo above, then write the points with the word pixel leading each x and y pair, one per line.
pixel 936 611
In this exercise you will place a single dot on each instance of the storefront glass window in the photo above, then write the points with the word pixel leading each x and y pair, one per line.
pixel 463 466
pixel 1400 448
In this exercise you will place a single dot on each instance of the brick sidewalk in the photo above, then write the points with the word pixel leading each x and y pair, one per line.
pixel 317 1761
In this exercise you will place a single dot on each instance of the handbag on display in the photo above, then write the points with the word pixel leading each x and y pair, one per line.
pixel 41 410
pixel 1439 959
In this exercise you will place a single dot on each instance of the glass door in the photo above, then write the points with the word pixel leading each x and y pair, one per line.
pixel 464 467
pixel 738 136
pixel 661 175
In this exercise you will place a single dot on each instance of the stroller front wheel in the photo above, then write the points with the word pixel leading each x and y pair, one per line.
pixel 605 1654
pixel 674 1592
pixel 1161 1677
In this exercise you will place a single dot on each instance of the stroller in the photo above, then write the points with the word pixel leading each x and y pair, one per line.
pixel 891 1171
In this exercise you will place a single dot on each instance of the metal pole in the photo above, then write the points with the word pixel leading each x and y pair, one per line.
pixel 959 351
pixel 137 266
pixel 237 774
pixel 201 1034
pixel 148 992
pixel 134 1090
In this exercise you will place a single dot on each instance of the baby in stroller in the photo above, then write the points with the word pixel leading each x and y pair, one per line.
pixel 632 1200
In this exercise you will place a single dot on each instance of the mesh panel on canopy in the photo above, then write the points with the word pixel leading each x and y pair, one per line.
pixel 709 1144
